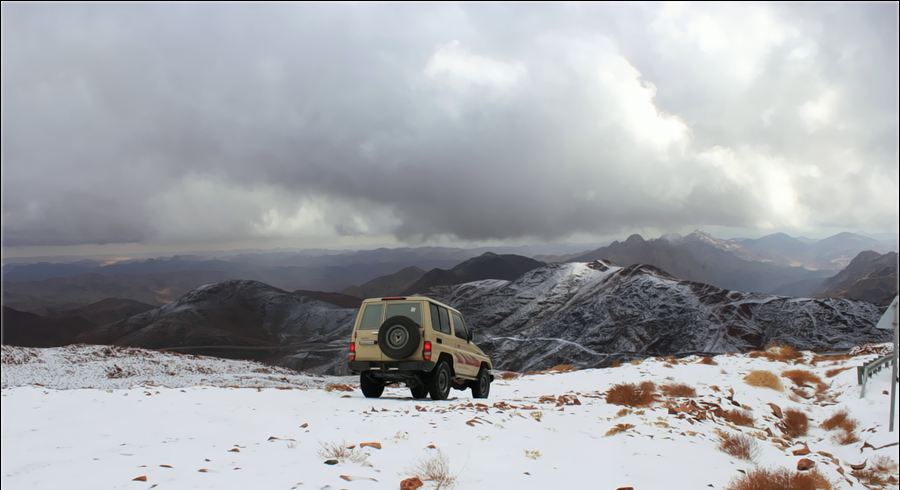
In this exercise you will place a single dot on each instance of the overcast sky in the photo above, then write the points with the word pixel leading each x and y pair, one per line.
pixel 146 125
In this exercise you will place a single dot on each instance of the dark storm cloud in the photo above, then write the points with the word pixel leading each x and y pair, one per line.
pixel 198 123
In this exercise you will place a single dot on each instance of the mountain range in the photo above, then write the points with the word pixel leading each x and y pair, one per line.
pixel 628 299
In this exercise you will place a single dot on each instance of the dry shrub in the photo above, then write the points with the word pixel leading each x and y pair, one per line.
pixel 882 471
pixel 615 364
pixel 777 351
pixel 708 361
pixel 739 417
pixel 342 452
pixel 801 377
pixel 756 353
pixel 636 362
pixel 795 423
pixel 834 372
pixel 838 357
pixel 435 469
pixel 763 379
pixel 779 479
pixel 678 390
pixel 631 395
pixel 840 418
pixel 339 387
pixel 618 428
pixel 670 360
pixel 738 445
pixel 509 375
pixel 844 437
pixel 883 464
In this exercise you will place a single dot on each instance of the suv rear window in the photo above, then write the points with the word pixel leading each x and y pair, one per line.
pixel 371 318
pixel 413 311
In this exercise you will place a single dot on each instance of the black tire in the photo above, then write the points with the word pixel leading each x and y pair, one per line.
pixel 419 392
pixel 398 337
pixel 371 387
pixel 439 382
pixel 481 387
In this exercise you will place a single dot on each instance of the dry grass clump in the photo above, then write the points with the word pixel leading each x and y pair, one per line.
pixel 763 379
pixel 841 420
pixel 795 423
pixel 342 452
pixel 509 375
pixel 777 351
pixel 882 471
pixel 615 364
pixel 739 417
pixel 801 377
pixel 436 469
pixel 618 428
pixel 844 437
pixel 837 357
pixel 339 387
pixel 834 372
pixel 631 395
pixel 779 479
pixel 738 445
pixel 708 361
pixel 678 390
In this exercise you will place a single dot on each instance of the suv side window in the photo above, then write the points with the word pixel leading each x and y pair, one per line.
pixel 459 327
pixel 371 318
pixel 440 322
pixel 413 311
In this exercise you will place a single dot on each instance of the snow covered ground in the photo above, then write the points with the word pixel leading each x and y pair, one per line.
pixel 99 417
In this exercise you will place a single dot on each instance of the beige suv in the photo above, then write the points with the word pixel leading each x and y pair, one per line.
pixel 420 342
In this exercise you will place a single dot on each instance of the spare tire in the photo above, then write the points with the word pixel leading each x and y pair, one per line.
pixel 398 337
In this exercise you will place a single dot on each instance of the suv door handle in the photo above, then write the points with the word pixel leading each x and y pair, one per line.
pixel 438 340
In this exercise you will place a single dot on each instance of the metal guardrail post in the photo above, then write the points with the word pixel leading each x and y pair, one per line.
pixel 894 371
pixel 889 321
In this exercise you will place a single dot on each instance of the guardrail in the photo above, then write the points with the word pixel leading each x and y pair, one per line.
pixel 864 372
pixel 889 321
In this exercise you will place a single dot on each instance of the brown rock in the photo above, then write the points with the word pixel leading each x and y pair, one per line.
pixel 805 464
pixel 802 452
pixel 376 445
pixel 776 410
pixel 140 478
pixel 411 483
pixel 625 488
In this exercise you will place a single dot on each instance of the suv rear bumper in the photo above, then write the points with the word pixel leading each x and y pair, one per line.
pixel 388 366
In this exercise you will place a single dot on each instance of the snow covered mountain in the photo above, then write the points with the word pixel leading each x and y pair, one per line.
pixel 240 319
pixel 583 314
pixel 589 314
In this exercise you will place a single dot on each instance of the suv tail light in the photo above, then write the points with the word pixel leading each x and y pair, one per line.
pixel 426 353
pixel 352 351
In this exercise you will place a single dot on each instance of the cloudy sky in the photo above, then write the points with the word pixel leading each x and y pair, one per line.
pixel 141 126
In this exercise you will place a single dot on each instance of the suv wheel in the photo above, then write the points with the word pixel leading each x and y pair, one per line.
pixel 371 387
pixel 439 382
pixel 419 392
pixel 398 337
pixel 482 386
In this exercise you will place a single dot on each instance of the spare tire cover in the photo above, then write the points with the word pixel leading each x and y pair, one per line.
pixel 398 337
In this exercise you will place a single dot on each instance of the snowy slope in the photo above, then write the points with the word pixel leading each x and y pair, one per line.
pixel 185 422
pixel 588 314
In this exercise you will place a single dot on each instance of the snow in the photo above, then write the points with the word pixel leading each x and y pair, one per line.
pixel 196 422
